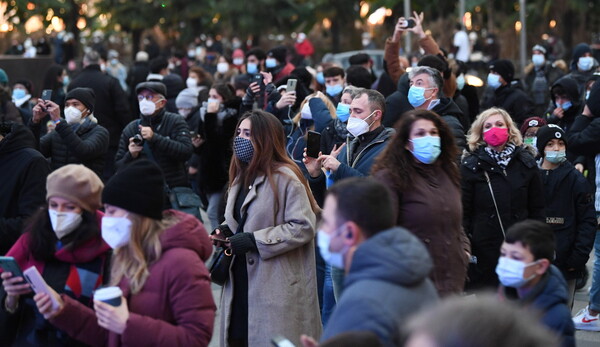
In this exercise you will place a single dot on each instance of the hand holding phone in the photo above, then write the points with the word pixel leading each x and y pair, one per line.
pixel 291 86
pixel 406 23
pixel 313 144
pixel 32 275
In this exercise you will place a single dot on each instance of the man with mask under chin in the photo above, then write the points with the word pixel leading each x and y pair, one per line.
pixel 387 268
pixel 158 135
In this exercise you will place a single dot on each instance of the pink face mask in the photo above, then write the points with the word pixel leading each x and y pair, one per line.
pixel 496 136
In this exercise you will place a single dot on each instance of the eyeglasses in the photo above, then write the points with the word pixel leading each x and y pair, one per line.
pixel 148 97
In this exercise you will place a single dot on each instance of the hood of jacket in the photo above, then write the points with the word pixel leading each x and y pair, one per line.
pixel 187 233
pixel 578 52
pixel 19 137
pixel 394 255
pixel 554 292
pixel 571 87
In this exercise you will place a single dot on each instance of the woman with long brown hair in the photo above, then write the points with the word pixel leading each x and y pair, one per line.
pixel 272 287
pixel 419 166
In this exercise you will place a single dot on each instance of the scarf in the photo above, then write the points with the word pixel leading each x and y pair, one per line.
pixel 504 157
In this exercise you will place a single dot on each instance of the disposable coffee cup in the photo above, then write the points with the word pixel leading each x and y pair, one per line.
pixel 109 295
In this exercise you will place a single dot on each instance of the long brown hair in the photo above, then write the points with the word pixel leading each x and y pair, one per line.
pixel 268 139
pixel 143 249
pixel 400 162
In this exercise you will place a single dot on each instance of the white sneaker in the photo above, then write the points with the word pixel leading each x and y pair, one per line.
pixel 584 321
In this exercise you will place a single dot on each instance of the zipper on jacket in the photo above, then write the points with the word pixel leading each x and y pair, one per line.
pixel 364 149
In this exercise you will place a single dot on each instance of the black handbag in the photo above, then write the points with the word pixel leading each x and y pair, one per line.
pixel 219 268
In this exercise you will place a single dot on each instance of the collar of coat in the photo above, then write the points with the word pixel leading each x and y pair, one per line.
pixel 480 159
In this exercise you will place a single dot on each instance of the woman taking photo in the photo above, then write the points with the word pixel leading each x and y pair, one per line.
pixel 500 186
pixel 419 167
pixel 158 263
pixel 62 240
pixel 212 146
pixel 272 287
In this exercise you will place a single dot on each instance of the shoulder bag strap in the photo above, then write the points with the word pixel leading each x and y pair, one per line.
pixel 487 178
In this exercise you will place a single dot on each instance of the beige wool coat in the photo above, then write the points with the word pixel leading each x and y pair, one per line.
pixel 282 283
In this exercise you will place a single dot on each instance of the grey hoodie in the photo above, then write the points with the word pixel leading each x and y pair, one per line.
pixel 388 281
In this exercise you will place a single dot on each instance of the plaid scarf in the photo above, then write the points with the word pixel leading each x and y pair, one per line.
pixel 504 157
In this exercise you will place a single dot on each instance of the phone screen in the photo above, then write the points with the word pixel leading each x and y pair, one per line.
pixel 313 144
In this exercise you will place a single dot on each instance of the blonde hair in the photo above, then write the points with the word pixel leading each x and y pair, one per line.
pixel 325 99
pixel 133 260
pixel 475 134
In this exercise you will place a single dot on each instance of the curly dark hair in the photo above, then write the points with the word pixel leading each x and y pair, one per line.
pixel 400 163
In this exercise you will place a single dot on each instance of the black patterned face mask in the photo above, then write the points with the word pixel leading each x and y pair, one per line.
pixel 243 149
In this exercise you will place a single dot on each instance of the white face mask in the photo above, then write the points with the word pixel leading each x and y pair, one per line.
pixel 238 61
pixel 332 258
pixel 222 67
pixel 191 82
pixel 306 112
pixel 510 272
pixel 73 115
pixel 116 231
pixel 63 223
pixel 147 107
pixel 357 126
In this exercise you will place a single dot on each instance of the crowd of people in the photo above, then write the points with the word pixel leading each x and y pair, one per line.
pixel 419 189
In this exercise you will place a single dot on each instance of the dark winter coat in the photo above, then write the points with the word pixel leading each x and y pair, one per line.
pixel 321 117
pixel 387 282
pixel 584 139
pixel 214 155
pixel 360 166
pixel 334 134
pixel 519 195
pixel 171 145
pixel 571 214
pixel 23 172
pixel 454 117
pixel 549 298
pixel 111 106
pixel 428 209
pixel 85 144
pixel 551 73
pixel 514 100
pixel 174 308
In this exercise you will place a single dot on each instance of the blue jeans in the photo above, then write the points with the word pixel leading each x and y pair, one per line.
pixel 328 297
pixel 214 202
pixel 595 289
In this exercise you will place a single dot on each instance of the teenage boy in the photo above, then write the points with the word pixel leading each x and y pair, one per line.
pixel 527 276
pixel 569 206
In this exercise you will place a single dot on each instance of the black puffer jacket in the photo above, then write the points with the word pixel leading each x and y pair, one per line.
pixel 111 107
pixel 171 145
pixel 514 100
pixel 570 212
pixel 23 172
pixel 84 144
pixel 519 195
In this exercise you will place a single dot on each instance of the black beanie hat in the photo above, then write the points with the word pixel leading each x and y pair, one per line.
pixel 547 133
pixel 138 188
pixel 593 102
pixel 279 53
pixel 85 95
pixel 504 68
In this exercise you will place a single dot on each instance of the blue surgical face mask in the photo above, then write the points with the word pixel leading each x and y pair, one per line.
pixel 565 106
pixel 493 80
pixel 19 93
pixel 556 157
pixel 510 272
pixel 538 60
pixel 334 89
pixel 320 77
pixel 416 95
pixel 585 63
pixel 270 63
pixel 427 148
pixel 343 112
pixel 252 68
pixel 460 81
pixel 66 81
